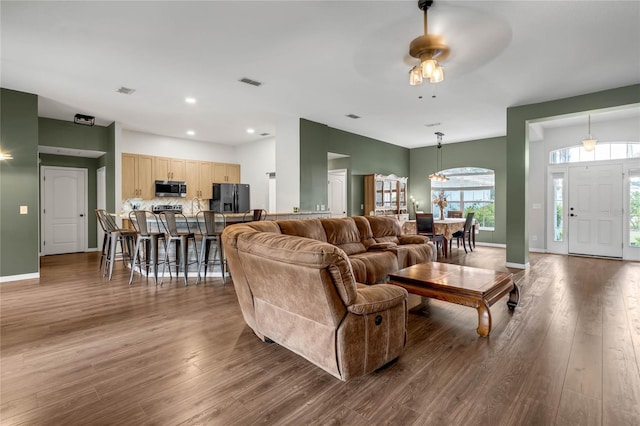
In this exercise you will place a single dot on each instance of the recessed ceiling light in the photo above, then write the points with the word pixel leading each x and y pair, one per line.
pixel 190 100
pixel 250 81
pixel 191 132
pixel 251 131
pixel 125 90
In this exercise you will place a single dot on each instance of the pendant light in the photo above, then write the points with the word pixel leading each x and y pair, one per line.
pixel 589 143
pixel 437 176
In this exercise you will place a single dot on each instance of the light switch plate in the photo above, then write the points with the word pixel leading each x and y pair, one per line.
pixel 24 209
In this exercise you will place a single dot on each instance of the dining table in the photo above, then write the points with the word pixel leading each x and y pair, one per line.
pixel 447 227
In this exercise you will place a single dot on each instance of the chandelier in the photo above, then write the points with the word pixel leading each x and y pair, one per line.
pixel 437 176
pixel 589 143
pixel 430 49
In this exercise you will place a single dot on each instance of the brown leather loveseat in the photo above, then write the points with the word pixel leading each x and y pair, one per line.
pixel 296 284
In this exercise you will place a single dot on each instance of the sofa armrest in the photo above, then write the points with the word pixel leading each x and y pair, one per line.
pixel 413 239
pixel 377 298
pixel 381 246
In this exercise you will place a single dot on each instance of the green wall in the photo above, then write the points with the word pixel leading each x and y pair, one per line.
pixel 66 134
pixel 19 184
pixel 366 156
pixel 486 153
pixel 518 155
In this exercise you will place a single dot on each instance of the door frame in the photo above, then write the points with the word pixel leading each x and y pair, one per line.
pixel 628 165
pixel 85 177
pixel 101 200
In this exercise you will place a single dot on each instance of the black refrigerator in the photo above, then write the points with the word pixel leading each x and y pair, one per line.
pixel 230 198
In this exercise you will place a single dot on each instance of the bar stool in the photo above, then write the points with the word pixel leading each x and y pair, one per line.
pixel 181 240
pixel 112 236
pixel 211 224
pixel 254 215
pixel 146 251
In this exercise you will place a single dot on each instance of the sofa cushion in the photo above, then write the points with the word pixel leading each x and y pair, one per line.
pixel 377 265
pixel 308 228
pixel 385 228
pixel 343 232
pixel 366 235
pixel 302 253
pixel 412 254
pixel 377 298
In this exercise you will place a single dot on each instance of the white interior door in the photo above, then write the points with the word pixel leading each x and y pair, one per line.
pixel 337 192
pixel 596 210
pixel 64 213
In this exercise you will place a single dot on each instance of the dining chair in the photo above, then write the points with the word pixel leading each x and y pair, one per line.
pixel 454 214
pixel 426 227
pixel 149 235
pixel 181 240
pixel 464 234
pixel 211 224
pixel 254 215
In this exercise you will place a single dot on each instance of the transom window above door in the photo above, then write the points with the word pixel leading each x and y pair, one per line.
pixel 603 152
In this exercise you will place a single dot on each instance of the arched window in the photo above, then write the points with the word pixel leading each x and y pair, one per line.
pixel 470 189
pixel 603 152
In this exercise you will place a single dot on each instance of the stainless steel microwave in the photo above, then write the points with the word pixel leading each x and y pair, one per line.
pixel 171 188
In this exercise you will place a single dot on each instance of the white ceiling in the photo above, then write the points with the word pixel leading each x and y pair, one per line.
pixel 317 60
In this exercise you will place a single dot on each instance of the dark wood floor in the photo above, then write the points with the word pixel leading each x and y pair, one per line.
pixel 78 349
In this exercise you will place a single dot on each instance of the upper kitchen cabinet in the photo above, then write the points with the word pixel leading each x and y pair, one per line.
pixel 170 169
pixel 226 173
pixel 137 176
pixel 199 179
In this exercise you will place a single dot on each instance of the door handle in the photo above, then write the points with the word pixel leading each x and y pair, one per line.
pixel 81 215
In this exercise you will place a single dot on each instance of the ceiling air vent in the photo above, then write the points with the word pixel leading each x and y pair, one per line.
pixel 355 117
pixel 126 90
pixel 249 81
pixel 264 134
pixel 432 124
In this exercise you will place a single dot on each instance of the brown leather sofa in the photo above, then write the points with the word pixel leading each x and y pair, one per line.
pixel 296 284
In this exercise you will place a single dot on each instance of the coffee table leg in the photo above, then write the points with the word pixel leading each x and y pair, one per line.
pixel 484 319
pixel 514 297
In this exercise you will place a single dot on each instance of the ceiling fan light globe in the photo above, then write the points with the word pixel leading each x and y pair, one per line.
pixel 415 76
pixel 428 68
pixel 437 76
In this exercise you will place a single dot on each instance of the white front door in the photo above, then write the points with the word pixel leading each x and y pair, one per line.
pixel 595 210
pixel 64 211
pixel 337 192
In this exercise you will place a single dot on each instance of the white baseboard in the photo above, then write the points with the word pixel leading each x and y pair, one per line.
pixel 517 265
pixel 20 277
pixel 537 250
pixel 478 243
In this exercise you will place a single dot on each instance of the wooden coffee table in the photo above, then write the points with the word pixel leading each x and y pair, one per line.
pixel 474 287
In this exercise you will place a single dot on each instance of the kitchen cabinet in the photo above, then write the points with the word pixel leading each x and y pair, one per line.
pixel 169 169
pixel 137 176
pixel 199 177
pixel 226 173
pixel 385 195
